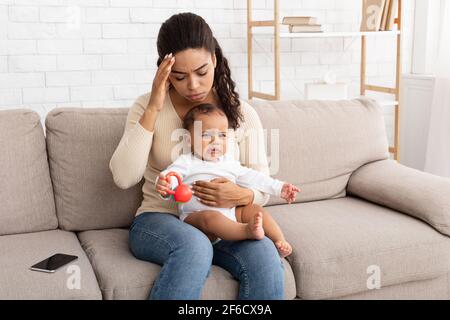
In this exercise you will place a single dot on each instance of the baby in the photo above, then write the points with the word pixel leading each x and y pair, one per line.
pixel 244 222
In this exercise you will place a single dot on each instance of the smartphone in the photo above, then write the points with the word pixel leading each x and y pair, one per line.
pixel 51 264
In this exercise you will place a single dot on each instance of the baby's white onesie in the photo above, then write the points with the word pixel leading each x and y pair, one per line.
pixel 192 168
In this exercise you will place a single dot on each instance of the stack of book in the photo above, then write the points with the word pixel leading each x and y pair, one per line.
pixel 379 15
pixel 302 24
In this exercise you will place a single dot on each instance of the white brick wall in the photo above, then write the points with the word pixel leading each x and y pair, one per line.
pixel 103 52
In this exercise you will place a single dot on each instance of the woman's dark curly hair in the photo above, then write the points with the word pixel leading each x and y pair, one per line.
pixel 190 31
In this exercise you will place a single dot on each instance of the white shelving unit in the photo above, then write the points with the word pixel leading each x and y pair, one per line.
pixel 276 34
pixel 328 34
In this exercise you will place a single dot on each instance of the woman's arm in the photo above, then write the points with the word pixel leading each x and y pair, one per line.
pixel 247 197
pixel 222 193
pixel 129 161
pixel 130 158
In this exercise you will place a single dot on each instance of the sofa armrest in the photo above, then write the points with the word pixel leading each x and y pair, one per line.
pixel 416 193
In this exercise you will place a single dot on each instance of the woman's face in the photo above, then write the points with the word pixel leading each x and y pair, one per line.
pixel 192 74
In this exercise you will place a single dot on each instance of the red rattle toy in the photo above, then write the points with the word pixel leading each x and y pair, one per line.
pixel 182 193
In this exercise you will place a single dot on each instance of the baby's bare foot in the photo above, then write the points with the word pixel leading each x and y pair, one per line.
pixel 255 227
pixel 284 248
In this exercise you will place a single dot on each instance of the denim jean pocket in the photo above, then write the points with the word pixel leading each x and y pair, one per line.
pixel 148 246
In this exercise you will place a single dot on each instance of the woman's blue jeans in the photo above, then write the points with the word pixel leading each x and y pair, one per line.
pixel 186 255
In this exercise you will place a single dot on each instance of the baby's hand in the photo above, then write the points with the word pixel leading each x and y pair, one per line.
pixel 288 192
pixel 162 186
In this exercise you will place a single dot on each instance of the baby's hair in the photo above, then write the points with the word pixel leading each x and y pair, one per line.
pixel 204 108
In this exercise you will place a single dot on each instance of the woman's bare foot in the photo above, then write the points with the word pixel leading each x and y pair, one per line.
pixel 283 247
pixel 255 227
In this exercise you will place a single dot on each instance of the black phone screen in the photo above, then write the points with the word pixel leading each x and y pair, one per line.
pixel 54 262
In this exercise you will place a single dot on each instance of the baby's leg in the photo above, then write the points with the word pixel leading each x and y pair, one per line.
pixel 215 224
pixel 271 228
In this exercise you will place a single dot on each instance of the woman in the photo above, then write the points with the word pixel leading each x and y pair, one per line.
pixel 192 70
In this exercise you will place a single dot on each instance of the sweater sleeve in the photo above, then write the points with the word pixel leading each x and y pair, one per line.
pixel 252 150
pixel 129 160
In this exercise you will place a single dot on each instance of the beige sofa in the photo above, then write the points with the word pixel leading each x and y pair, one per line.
pixel 360 217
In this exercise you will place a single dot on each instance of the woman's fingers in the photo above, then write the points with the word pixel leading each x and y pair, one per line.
pixel 219 180
pixel 161 67
pixel 204 196
pixel 204 185
pixel 165 67
pixel 168 68
pixel 203 190
pixel 209 203
pixel 165 61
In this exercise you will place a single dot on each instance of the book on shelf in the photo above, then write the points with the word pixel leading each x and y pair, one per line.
pixel 392 12
pixel 372 15
pixel 385 15
pixel 305 28
pixel 300 20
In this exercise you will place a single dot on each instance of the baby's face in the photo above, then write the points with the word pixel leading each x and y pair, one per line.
pixel 213 140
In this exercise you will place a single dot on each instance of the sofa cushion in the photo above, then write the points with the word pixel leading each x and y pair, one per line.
pixel 80 144
pixel 26 194
pixel 122 276
pixel 339 244
pixel 321 143
pixel 20 251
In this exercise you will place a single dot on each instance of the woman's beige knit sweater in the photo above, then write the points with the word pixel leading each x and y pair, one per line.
pixel 144 154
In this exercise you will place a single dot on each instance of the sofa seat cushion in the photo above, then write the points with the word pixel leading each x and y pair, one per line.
pixel 339 244
pixel 19 252
pixel 26 194
pixel 122 276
